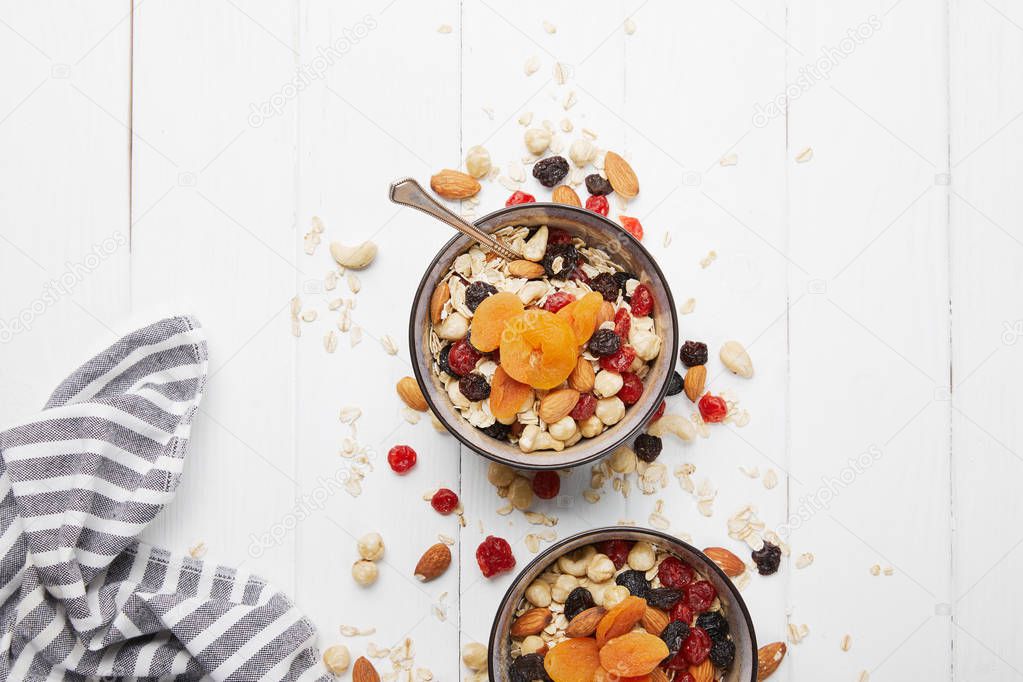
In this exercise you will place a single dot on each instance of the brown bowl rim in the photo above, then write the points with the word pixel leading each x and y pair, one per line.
pixel 655 404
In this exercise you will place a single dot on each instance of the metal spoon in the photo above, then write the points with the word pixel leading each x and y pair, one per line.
pixel 408 192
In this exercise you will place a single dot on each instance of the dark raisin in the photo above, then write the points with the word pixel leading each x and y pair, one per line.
pixel 474 387
pixel 528 668
pixel 476 292
pixel 578 601
pixel 634 581
pixel 605 285
pixel 693 353
pixel 560 259
pixel 497 430
pixel 663 598
pixel 622 278
pixel 767 559
pixel 604 342
pixel 675 384
pixel 722 653
pixel 673 634
pixel 596 184
pixel 647 447
pixel 714 623
pixel 550 171
pixel 442 360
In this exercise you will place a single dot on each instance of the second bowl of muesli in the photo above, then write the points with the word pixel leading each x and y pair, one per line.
pixel 553 359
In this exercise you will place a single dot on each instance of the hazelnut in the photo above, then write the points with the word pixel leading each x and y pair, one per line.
pixel 563 586
pixel 623 461
pixel 539 593
pixel 642 556
pixel 520 493
pixel 601 568
pixel 582 152
pixel 591 426
pixel 474 656
pixel 365 572
pixel 610 410
pixel 615 595
pixel 563 429
pixel 537 140
pixel 607 384
pixel 499 475
pixel 337 659
pixel 531 644
pixel 371 546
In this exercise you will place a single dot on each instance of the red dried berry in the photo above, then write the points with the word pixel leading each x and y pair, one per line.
pixel 584 407
pixel 462 357
pixel 547 484
pixel 619 361
pixel 623 323
pixel 617 551
pixel 578 275
pixel 713 409
pixel 632 388
pixel 519 197
pixel 557 236
pixel 673 572
pixel 700 595
pixel 401 458
pixel 696 647
pixel 683 612
pixel 659 413
pixel 642 301
pixel 557 301
pixel 494 555
pixel 444 501
pixel 597 204
pixel 632 226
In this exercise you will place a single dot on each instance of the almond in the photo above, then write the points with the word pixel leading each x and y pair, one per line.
pixel 730 564
pixel 654 620
pixel 581 378
pixel 585 623
pixel 433 563
pixel 558 404
pixel 620 175
pixel 525 268
pixel 695 381
pixel 563 194
pixel 703 672
pixel 531 622
pixel 452 184
pixel 605 314
pixel 440 296
pixel 408 391
pixel 363 671
pixel 769 658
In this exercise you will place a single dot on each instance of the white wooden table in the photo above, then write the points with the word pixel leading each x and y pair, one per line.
pixel 876 285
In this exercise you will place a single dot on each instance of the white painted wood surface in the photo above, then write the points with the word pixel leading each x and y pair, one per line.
pixel 875 284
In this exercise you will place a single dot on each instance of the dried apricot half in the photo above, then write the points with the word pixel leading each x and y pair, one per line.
pixel 537 348
pixel 581 315
pixel 633 654
pixel 573 660
pixel 620 619
pixel 507 395
pixel 490 318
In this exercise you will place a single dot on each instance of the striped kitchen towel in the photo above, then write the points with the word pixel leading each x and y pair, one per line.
pixel 82 598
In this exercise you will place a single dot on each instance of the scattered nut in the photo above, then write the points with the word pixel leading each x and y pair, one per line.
pixel 539 593
pixel 408 391
pixel 537 140
pixel 520 493
pixel 474 656
pixel 735 358
pixel 500 475
pixel 433 563
pixel 371 547
pixel 452 184
pixel 365 572
pixel 355 257
pixel 337 659
pixel 477 161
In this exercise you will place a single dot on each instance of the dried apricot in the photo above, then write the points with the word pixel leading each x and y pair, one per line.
pixel 507 395
pixel 581 315
pixel 490 318
pixel 538 348
pixel 621 618
pixel 604 676
pixel 633 654
pixel 573 660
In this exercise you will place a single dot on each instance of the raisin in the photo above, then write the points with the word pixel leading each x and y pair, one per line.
pixel 520 198
pixel 474 387
pixel 700 596
pixel 767 559
pixel 632 388
pixel 623 323
pixel 622 278
pixel 476 292
pixel 617 551
pixel 713 408
pixel 634 581
pixel 560 259
pixel 605 285
pixel 673 634
pixel 556 236
pixel 557 301
pixel 462 358
pixel 631 225
pixel 722 653
pixel 675 384
pixel 547 484
pixel 444 501
pixel 663 597
pixel 696 647
pixel 584 407
pixel 578 601
pixel 494 555
pixel 550 171
pixel 401 458
pixel 604 342
pixel 597 204
pixel 648 448
pixel 642 301
pixel 693 353
pixel 597 184
pixel 497 430
pixel 528 668
pixel 714 623
pixel 619 361
pixel 673 572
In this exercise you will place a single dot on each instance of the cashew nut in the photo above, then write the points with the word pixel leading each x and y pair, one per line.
pixel 536 246
pixel 575 563
pixel 539 593
pixel 354 257
pixel 673 423
pixel 531 291
pixel 453 327
pixel 563 586
pixel 601 568
pixel 533 439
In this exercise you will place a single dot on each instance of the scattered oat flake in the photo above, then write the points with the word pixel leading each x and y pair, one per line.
pixel 864 676
pixel 446 539
pixel 629 26
pixel 804 155
pixel 355 338
pixel 349 414
pixel 309 316
pixel 410 415
pixel 353 283
pixel 330 341
pixel 805 559
pixel 525 118
pixel 846 643
pixel 389 345
pixel 875 569
pixel 708 259
pixel 532 65
pixel 549 27
pixel 570 100
pixel 729 160
pixel 488 112
pixel 559 74
pixel 688 307
pixel 889 570
pixel 750 473
pixel 198 550
pixel 770 479
pixel 589 133
pixel 444 28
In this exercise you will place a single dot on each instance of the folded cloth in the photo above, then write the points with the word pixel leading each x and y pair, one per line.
pixel 80 597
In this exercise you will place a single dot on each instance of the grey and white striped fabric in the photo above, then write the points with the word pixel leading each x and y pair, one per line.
pixel 80 597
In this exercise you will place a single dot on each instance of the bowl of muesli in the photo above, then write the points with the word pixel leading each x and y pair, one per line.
pixel 551 360
pixel 615 603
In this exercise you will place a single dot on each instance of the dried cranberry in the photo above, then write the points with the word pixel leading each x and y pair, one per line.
pixel 617 551
pixel 693 353
pixel 401 458
pixel 598 184
pixel 550 171
pixel 579 275
pixel 623 323
pixel 584 407
pixel 696 647
pixel 620 361
pixel 474 386
pixel 604 343
pixel 558 236
pixel 560 259
pixel 767 559
pixel 494 555
pixel 683 612
pixel 700 595
pixel 631 225
pixel 660 412
pixel 605 285
pixel 647 447
pixel 546 484
pixel 557 301
pixel 476 292
pixel 597 204
pixel 462 357
pixel 519 197
pixel 675 384
pixel 632 388
pixel 642 301
pixel 444 501
pixel 713 409
pixel 673 572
